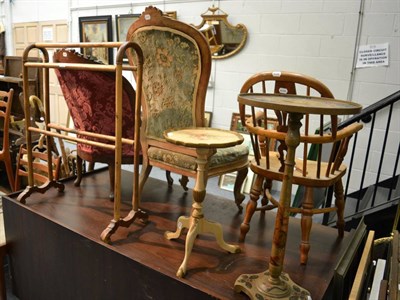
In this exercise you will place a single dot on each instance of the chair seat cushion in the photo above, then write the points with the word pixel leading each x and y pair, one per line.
pixel 224 156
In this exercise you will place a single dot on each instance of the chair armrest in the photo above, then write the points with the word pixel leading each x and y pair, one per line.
pixel 312 139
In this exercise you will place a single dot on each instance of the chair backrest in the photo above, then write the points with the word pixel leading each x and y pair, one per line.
pixel 294 83
pixel 282 82
pixel 90 97
pixel 39 165
pixel 177 64
pixel 316 170
pixel 6 99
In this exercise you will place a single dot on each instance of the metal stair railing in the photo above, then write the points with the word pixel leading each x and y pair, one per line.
pixel 383 108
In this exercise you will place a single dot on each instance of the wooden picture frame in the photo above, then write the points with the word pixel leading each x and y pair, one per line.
pixel 236 123
pixel 227 181
pixel 96 29
pixel 207 118
pixel 171 14
pixel 122 24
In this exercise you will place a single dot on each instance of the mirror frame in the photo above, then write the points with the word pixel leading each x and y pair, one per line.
pixel 216 14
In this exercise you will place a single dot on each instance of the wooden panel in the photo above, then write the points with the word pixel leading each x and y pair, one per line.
pixel 58 109
pixel 55 32
pixel 19 39
pixel 72 262
pixel 51 31
pixel 32 35
pixel 62 33
pixel 25 34
pixel 19 34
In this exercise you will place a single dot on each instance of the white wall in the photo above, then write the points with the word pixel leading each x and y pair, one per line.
pixel 313 37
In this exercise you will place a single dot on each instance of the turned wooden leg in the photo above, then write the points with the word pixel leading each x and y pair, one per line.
pixel 239 197
pixel 306 223
pixel 339 202
pixel 267 186
pixel 79 171
pixel 251 206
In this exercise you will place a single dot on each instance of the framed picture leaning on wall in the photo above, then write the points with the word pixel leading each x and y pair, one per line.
pixel 122 24
pixel 227 181
pixel 96 29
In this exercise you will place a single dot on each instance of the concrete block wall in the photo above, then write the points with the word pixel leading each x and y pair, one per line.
pixel 316 37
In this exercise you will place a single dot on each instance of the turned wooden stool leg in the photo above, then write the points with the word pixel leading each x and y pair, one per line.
pixel 306 223
pixel 339 202
pixel 251 206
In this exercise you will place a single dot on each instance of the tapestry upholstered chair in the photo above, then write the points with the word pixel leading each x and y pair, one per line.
pixel 177 64
pixel 320 165
pixel 6 99
pixel 90 97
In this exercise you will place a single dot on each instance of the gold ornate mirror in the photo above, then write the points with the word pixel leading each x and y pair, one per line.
pixel 225 39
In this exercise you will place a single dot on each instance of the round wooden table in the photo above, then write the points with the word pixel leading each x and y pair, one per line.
pixel 205 141
pixel 273 283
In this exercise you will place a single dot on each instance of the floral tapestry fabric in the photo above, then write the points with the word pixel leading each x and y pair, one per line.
pixel 224 156
pixel 90 97
pixel 170 79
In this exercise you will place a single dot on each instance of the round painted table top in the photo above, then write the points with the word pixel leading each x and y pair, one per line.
pixel 300 104
pixel 203 137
